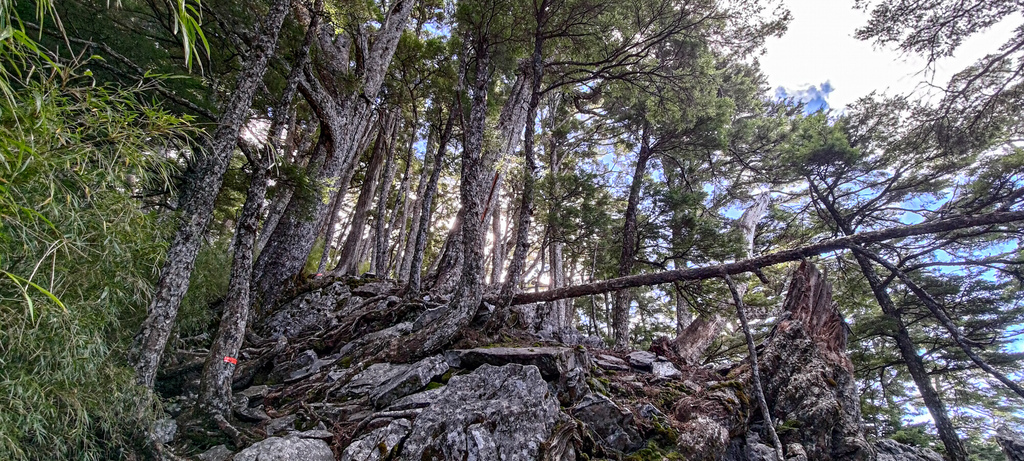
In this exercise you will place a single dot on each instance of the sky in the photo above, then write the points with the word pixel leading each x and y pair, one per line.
pixel 818 60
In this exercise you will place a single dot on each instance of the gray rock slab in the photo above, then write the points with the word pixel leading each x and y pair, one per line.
pixel 641 360
pixel 611 362
pixel 287 449
pixel 505 410
pixel 665 370
pixel 384 383
pixel 217 453
pixel 379 443
pixel 614 426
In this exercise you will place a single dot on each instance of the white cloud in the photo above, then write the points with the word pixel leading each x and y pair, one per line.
pixel 819 47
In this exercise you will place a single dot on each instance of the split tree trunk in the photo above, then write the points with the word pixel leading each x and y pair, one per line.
pixel 197 204
pixel 345 121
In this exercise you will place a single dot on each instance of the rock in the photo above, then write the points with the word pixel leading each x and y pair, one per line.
pixel 795 452
pixel 611 362
pixel 505 410
pixel 650 412
pixel 1011 442
pixel 283 423
pixel 384 383
pixel 287 449
pixel 307 313
pixel 251 415
pixel 217 453
pixel 254 391
pixel 663 369
pixel 891 450
pixel 164 430
pixel 641 360
pixel 564 367
pixel 760 452
pixel 372 289
pixel 379 443
pixel 614 426
pixel 313 434
pixel 418 400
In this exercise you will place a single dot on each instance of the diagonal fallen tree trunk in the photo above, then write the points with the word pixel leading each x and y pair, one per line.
pixel 754 264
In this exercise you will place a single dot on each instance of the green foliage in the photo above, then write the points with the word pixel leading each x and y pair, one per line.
pixel 74 156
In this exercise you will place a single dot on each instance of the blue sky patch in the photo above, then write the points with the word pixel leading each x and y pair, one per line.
pixel 814 96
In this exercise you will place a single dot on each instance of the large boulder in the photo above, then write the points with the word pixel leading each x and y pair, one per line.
pixel 307 313
pixel 384 383
pixel 494 413
pixel 286 449
pixel 565 368
pixel 614 426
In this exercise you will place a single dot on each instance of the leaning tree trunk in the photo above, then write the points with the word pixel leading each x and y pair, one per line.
pixel 197 204
pixel 347 121
pixel 382 150
pixel 620 311
pixel 757 263
pixel 954 332
pixel 908 350
pixel 215 383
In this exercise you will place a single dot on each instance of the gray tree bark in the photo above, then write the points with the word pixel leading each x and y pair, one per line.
pixel 383 149
pixel 620 310
pixel 380 240
pixel 215 382
pixel 423 226
pixel 197 204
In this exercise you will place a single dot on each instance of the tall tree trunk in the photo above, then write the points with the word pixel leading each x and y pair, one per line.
pixel 347 121
pixel 473 190
pixel 423 226
pixel 383 149
pixel 380 240
pixel 417 206
pixel 498 247
pixel 402 203
pixel 561 309
pixel 523 221
pixel 620 311
pixel 215 383
pixel 908 350
pixel 330 231
pixel 197 204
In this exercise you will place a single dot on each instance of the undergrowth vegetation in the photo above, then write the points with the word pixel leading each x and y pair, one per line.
pixel 79 253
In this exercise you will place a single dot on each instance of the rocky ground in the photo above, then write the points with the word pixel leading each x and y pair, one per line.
pixel 331 377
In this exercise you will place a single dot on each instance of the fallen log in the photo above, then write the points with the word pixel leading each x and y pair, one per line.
pixel 755 264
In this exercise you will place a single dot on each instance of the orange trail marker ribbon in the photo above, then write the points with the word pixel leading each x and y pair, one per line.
pixel 231 360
